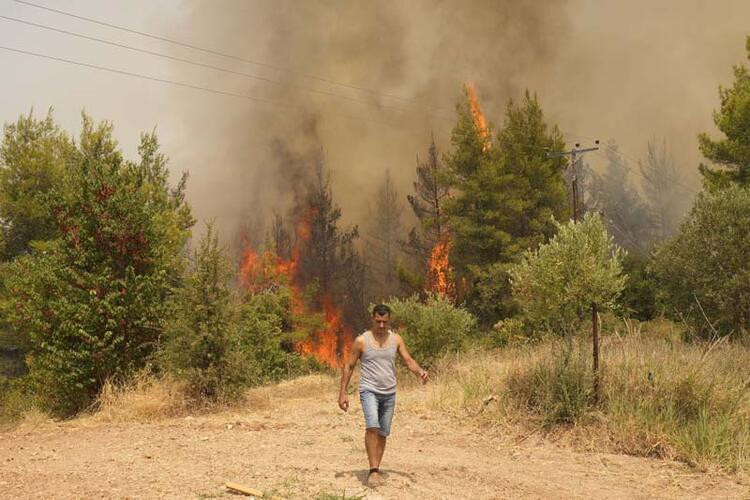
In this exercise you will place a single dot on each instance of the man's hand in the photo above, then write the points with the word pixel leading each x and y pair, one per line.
pixel 344 401
pixel 424 376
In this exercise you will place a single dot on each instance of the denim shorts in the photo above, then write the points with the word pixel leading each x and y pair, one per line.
pixel 378 410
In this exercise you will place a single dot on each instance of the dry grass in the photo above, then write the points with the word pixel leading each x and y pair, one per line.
pixel 147 398
pixel 143 399
pixel 662 397
pixel 26 423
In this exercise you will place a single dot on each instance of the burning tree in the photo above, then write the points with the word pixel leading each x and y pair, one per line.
pixel 428 204
pixel 505 197
pixel 480 123
pixel 323 271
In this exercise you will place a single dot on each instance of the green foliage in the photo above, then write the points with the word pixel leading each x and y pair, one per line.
pixel 733 119
pixel 33 157
pixel 431 191
pixel 704 271
pixel 269 331
pixel 91 303
pixel 557 283
pixel 638 297
pixel 15 399
pixel 491 296
pixel 507 194
pixel 202 345
pixel 433 328
pixel 505 198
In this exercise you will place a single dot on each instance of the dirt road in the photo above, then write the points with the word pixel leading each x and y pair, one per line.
pixel 292 442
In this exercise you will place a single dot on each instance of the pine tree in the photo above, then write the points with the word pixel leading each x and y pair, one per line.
pixel 732 152
pixel 660 185
pixel 506 198
pixel 202 344
pixel 619 202
pixel 328 257
pixel 384 231
pixel 431 191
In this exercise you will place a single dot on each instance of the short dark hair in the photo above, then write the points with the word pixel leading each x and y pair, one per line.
pixel 381 310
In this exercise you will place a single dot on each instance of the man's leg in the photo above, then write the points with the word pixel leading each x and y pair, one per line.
pixel 372 447
pixel 386 406
pixel 380 450
pixel 370 410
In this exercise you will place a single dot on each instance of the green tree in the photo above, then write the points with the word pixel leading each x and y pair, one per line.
pixel 202 344
pixel 93 302
pixel 33 155
pixel 732 152
pixel 704 271
pixel 431 191
pixel 327 255
pixel 433 327
pixel 506 197
pixel 269 329
pixel 557 283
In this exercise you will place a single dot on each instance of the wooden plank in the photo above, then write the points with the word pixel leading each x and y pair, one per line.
pixel 244 489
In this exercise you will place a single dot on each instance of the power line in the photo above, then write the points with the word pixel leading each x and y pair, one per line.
pixel 173 82
pixel 136 75
pixel 186 61
pixel 216 52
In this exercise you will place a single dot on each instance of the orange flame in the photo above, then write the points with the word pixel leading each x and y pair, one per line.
pixel 439 271
pixel 476 112
pixel 331 344
pixel 334 338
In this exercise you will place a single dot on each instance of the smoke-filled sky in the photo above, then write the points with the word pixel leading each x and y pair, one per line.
pixel 627 71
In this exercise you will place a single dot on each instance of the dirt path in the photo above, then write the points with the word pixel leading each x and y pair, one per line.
pixel 294 443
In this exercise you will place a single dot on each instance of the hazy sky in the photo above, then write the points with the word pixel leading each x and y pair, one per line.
pixel 623 70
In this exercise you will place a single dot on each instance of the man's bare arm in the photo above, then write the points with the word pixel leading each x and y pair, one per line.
pixel 346 372
pixel 410 363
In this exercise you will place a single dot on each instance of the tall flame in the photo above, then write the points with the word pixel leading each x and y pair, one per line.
pixel 439 271
pixel 331 344
pixel 476 113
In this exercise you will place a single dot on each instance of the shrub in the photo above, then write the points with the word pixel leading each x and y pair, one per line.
pixel 91 304
pixel 556 387
pixel 557 283
pixel 638 297
pixel 266 330
pixel 704 271
pixel 15 399
pixel 203 347
pixel 432 328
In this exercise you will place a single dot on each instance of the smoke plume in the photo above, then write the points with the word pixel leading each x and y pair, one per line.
pixel 627 71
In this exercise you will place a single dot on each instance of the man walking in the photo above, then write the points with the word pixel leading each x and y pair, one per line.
pixel 377 348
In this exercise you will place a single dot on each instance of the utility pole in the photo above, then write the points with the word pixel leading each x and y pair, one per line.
pixel 575 154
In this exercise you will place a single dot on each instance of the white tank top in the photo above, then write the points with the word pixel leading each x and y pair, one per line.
pixel 378 365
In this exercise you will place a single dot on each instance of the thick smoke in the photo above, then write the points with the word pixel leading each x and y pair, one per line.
pixel 626 71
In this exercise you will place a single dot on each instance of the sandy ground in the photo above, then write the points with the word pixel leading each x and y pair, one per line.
pixel 293 442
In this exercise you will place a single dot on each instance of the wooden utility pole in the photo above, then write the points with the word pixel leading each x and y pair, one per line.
pixel 575 153
pixel 595 331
